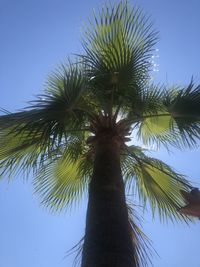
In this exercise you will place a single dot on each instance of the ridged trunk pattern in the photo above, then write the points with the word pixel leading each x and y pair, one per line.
pixel 108 241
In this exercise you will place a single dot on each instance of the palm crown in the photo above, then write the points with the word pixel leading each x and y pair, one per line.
pixel 106 90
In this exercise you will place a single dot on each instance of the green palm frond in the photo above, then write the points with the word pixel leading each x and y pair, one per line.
pixel 118 45
pixel 64 181
pixel 169 117
pixel 154 182
pixel 70 85
pixel 148 101
pixel 149 116
pixel 184 107
pixel 19 152
pixel 156 129
pixel 29 137
pixel 184 101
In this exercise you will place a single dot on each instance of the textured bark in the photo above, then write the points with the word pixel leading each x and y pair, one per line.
pixel 108 240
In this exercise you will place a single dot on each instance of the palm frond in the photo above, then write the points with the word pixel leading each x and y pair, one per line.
pixel 69 85
pixel 77 249
pixel 155 183
pixel 30 136
pixel 184 107
pixel 156 129
pixel 149 116
pixel 118 44
pixel 167 116
pixel 64 181
pixel 149 100
pixel 19 153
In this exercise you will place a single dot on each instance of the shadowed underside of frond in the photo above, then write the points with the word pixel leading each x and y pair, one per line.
pixel 155 183
pixel 168 116
pixel 65 180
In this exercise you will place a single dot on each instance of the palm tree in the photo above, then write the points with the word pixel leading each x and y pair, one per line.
pixel 74 137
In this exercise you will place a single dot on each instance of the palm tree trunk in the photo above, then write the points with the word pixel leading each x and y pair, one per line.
pixel 108 240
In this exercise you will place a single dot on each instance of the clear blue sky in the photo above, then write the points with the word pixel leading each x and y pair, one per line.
pixel 35 37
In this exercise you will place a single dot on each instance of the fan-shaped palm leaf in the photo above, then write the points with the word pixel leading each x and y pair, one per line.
pixel 155 182
pixel 170 117
pixel 118 45
pixel 29 137
pixel 64 180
